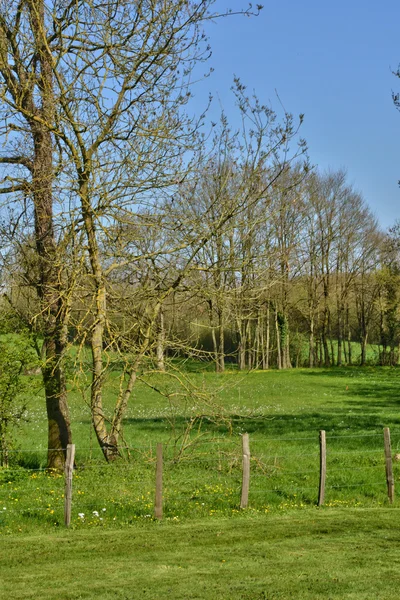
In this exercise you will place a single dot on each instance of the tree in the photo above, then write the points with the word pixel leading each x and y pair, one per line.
pixel 27 105
pixel 92 97
pixel 388 301
pixel 229 207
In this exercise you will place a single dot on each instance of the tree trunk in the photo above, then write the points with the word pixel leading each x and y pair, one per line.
pixel 242 345
pixel 311 343
pixel 363 348
pixel 213 336
pixel 107 443
pixel 349 350
pixel 249 345
pixel 288 362
pixel 49 290
pixel 221 341
pixel 339 341
pixel 278 341
pixel 160 342
pixel 267 341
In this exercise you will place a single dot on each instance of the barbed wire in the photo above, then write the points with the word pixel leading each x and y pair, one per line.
pixel 198 442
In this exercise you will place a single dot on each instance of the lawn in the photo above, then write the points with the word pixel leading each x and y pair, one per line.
pixel 328 553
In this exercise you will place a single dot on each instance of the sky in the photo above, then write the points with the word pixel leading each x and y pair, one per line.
pixel 332 61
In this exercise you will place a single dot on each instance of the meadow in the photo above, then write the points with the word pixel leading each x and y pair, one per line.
pixel 113 504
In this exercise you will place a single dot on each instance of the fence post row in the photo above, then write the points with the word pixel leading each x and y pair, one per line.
pixel 244 500
pixel 322 467
pixel 69 467
pixel 158 505
pixel 388 464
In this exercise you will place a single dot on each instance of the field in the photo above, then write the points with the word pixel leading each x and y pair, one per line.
pixel 331 554
pixel 282 546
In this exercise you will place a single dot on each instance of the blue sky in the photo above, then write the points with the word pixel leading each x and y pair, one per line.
pixel 332 61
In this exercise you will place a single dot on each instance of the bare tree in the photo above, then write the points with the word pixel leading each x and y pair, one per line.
pixel 91 97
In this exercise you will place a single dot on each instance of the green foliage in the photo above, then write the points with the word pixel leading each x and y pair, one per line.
pixel 16 356
pixel 283 328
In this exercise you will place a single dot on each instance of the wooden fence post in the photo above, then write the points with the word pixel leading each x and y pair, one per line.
pixel 244 500
pixel 69 467
pixel 158 506
pixel 322 467
pixel 388 464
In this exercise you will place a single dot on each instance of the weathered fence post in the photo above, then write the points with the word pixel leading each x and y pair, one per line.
pixel 322 467
pixel 158 506
pixel 388 464
pixel 244 500
pixel 68 469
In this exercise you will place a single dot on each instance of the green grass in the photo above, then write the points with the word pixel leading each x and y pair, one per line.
pixel 282 546
pixel 283 413
pixel 352 554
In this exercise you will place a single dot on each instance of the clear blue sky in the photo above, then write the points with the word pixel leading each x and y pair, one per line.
pixel 332 61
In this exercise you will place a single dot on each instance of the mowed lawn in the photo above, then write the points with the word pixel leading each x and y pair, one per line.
pixel 317 554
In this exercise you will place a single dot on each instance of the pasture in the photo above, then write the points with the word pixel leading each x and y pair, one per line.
pixel 282 546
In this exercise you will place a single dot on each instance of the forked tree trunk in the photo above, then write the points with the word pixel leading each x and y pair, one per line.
pixel 107 442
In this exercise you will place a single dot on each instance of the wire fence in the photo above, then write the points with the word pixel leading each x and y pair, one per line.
pixel 211 476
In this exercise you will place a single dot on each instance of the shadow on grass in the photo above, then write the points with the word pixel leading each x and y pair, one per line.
pixel 369 402
pixel 353 421
pixel 377 388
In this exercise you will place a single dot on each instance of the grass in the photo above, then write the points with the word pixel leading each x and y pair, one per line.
pixel 322 553
pixel 352 554
pixel 283 413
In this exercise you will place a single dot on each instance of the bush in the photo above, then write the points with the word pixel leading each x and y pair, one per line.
pixel 17 356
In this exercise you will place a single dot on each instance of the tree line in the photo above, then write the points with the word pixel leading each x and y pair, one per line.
pixel 305 277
